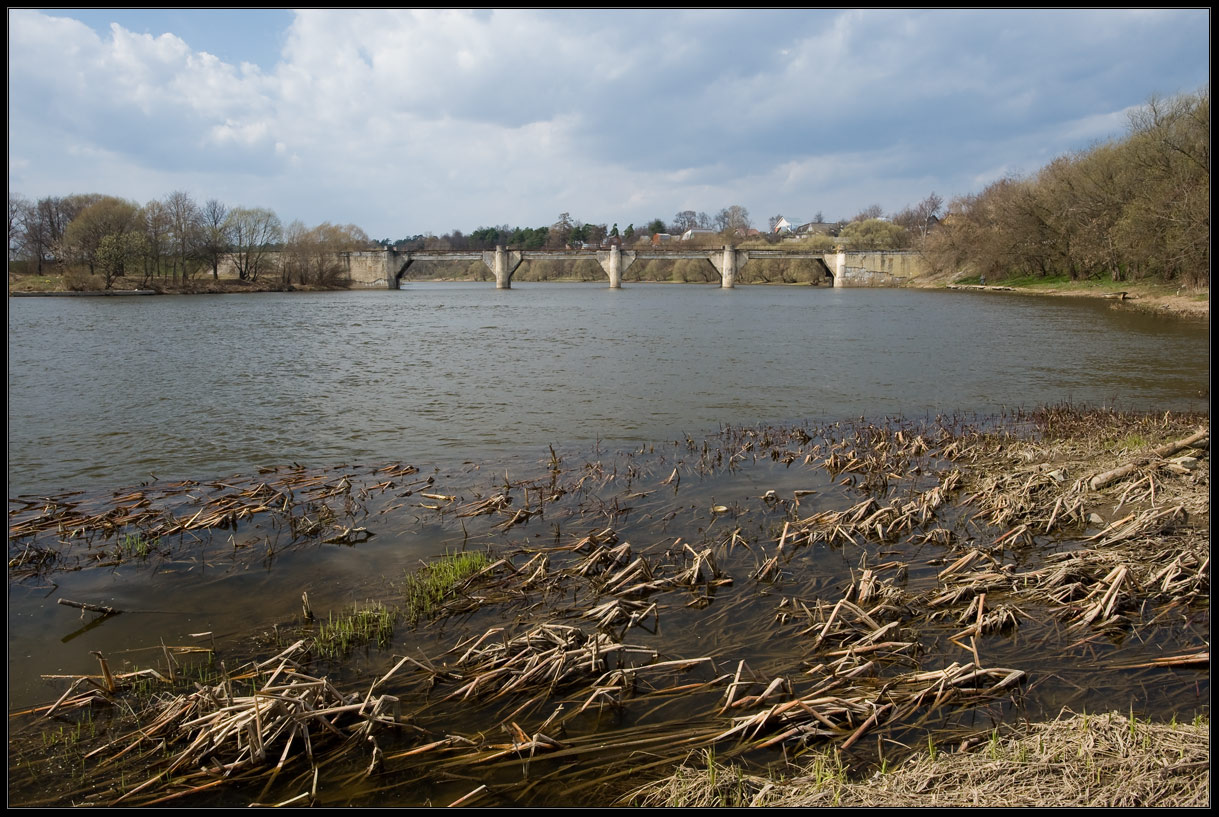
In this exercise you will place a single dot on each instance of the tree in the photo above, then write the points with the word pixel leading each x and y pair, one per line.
pixel 869 212
pixel 253 232
pixel 157 237
pixel 41 226
pixel 656 226
pixel 560 232
pixel 20 212
pixel 108 215
pixel 919 218
pixel 732 218
pixel 316 256
pixel 118 252
pixel 684 220
pixel 1166 221
pixel 186 233
pixel 928 211
pixel 594 234
pixel 875 234
pixel 215 239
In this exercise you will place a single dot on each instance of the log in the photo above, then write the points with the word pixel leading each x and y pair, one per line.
pixel 1101 480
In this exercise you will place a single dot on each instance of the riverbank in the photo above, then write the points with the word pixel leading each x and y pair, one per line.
pixel 866 588
pixel 55 285
pixel 1148 296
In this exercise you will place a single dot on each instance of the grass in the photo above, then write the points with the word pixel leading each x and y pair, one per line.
pixel 136 545
pixel 426 589
pixel 1130 443
pixel 372 623
pixel 1126 763
pixel 1104 285
pixel 35 283
pixel 68 736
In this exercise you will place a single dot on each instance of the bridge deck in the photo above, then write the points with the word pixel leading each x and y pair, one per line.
pixel 582 255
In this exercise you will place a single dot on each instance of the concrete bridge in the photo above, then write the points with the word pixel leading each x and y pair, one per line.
pixel 383 269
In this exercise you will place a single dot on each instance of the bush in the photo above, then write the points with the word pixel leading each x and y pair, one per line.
pixel 80 280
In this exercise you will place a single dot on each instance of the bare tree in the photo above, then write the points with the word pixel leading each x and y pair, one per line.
pixel 216 239
pixel 684 220
pixel 20 212
pixel 735 217
pixel 869 212
pixel 254 231
pixel 157 234
pixel 186 232
pixel 316 256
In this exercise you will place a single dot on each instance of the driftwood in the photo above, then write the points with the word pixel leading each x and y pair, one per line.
pixel 92 608
pixel 1101 480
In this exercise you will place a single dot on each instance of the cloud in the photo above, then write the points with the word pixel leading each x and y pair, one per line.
pixel 409 121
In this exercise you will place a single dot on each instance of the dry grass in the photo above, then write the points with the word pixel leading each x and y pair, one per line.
pixel 1081 761
pixel 1081 535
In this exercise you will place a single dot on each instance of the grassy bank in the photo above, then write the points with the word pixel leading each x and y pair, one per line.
pixel 1169 299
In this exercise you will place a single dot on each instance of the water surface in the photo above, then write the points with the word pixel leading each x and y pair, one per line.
pixel 106 392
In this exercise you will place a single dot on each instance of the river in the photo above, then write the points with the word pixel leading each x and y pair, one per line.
pixel 109 392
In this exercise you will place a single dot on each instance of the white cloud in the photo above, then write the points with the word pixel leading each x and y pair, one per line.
pixel 424 120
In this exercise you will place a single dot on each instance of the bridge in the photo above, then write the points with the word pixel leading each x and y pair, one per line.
pixel 383 269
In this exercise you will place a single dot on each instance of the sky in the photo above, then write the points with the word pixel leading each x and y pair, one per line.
pixel 408 122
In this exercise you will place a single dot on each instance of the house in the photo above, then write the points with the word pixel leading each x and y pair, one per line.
pixel 829 228
pixel 660 238
pixel 694 232
pixel 783 225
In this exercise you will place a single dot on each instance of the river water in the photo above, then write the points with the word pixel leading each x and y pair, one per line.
pixel 108 392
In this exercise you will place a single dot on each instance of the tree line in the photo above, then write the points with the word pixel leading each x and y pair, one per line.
pixel 1132 208
pixel 95 239
pixel 567 232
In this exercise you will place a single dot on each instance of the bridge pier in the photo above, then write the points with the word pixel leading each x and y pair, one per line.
pixel 502 264
pixel 615 262
pixel 395 268
pixel 727 264
pixel 838 268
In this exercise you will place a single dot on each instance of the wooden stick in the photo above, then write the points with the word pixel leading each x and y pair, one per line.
pixel 93 608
